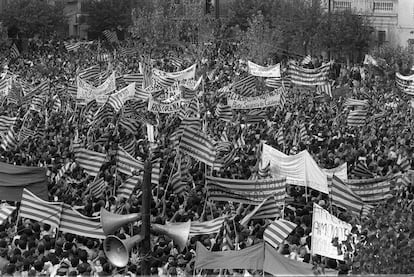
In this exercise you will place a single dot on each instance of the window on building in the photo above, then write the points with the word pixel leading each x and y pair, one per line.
pixel 381 37
pixel 383 6
pixel 341 5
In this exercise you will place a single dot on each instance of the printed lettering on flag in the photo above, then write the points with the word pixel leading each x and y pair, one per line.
pixel 326 227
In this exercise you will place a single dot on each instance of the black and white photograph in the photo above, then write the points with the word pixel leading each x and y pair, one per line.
pixel 198 138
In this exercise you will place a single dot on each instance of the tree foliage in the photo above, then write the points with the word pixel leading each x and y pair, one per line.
pixel 259 41
pixel 31 17
pixel 304 25
pixel 345 32
pixel 108 15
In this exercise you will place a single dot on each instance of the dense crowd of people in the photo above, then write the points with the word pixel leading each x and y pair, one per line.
pixel 34 249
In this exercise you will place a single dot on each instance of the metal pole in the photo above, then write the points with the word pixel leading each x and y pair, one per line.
pixel 146 224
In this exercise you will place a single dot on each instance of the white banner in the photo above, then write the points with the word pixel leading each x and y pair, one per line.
pixel 326 227
pixel 262 71
pixel 264 100
pixel 127 93
pixel 88 92
pixel 159 107
pixel 188 73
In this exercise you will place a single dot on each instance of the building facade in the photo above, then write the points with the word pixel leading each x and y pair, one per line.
pixel 393 20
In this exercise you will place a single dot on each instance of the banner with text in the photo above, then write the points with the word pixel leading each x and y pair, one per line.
pixel 188 73
pixel 326 227
pixel 159 107
pixel 246 103
pixel 264 71
pixel 88 92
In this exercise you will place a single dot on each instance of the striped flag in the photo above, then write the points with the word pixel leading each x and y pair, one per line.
pixel 14 52
pixel 246 86
pixel 256 116
pixel 156 171
pixel 269 208
pixel 6 123
pixel 224 112
pixel 303 133
pixel 197 145
pixel 125 190
pixel 89 160
pixel 162 81
pixel 8 140
pixel 362 171
pixel 309 77
pixel 405 83
pixel 350 102
pixel 73 222
pixel 264 172
pixel 126 163
pixel 33 207
pixel 72 90
pixel 5 212
pixel 118 99
pixel 306 60
pixel 141 95
pixel 103 114
pixel 278 231
pixel 280 138
pixel 72 46
pixel 90 73
pixel 137 78
pixel 357 118
pixel 275 82
pixel 65 168
pixel 245 191
pixel 96 188
pixel 324 89
pixel 127 51
pixel 188 93
pixel 177 62
pixel 206 227
pixel 57 105
pixel 371 191
pixel 366 210
pixel 192 109
pixel 130 146
pixel 404 163
pixel 239 142
pixel 190 122
pixel 38 103
pixel 111 36
pixel 130 124
pixel 342 196
pixel 178 185
pixel 25 133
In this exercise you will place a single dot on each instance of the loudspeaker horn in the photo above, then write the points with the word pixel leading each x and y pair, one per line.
pixel 178 232
pixel 117 250
pixel 111 222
